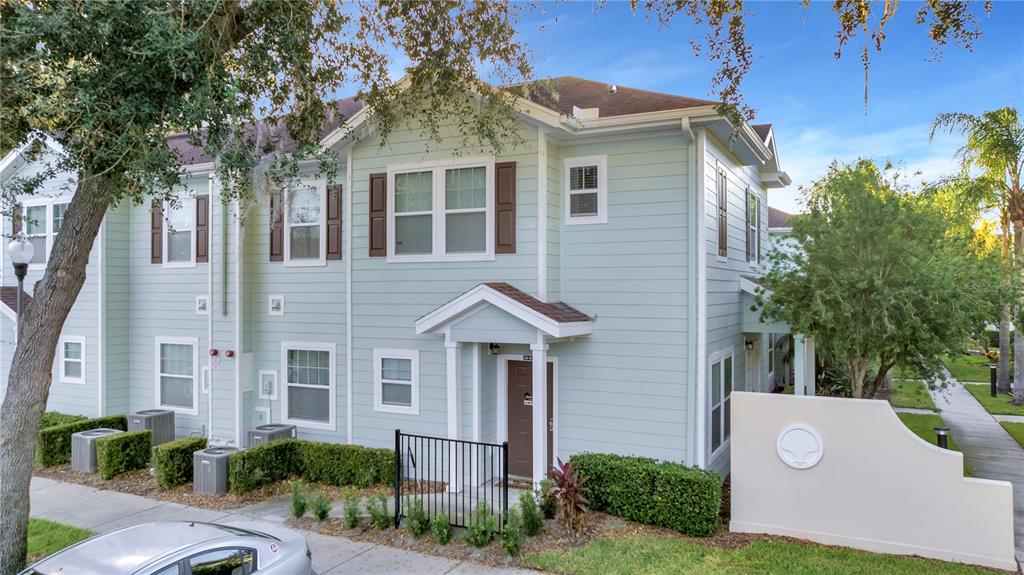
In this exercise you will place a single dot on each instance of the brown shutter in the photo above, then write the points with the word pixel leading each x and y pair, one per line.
pixel 334 221
pixel 750 238
pixel 156 233
pixel 276 226
pixel 203 228
pixel 378 215
pixel 505 208
pixel 16 220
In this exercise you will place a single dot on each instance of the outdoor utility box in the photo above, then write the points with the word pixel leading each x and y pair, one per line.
pixel 159 421
pixel 83 448
pixel 269 432
pixel 210 470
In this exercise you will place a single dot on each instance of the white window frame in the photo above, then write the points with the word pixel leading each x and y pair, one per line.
pixel 270 304
pixel 202 305
pixel 187 201
pixel 272 374
pixel 720 357
pixel 438 212
pixel 49 234
pixel 331 423
pixel 756 228
pixel 194 342
pixel 80 340
pixel 379 355
pixel 321 186
pixel 602 190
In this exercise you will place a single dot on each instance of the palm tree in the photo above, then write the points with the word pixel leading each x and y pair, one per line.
pixel 995 146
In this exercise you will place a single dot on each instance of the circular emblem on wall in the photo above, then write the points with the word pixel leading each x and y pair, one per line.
pixel 799 447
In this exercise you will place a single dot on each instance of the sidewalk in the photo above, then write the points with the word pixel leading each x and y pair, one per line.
pixel 101 511
pixel 990 452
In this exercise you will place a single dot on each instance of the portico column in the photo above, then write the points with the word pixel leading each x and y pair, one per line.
pixel 803 365
pixel 454 401
pixel 539 352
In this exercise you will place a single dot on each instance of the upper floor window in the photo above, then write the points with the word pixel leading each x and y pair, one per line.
pixel 753 227
pixel 72 359
pixel 304 222
pixel 42 222
pixel 179 231
pixel 722 193
pixel 586 190
pixel 442 213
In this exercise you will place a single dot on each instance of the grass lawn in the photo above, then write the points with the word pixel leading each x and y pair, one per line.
pixel 967 367
pixel 666 554
pixel 911 393
pixel 999 405
pixel 924 424
pixel 46 537
pixel 1016 430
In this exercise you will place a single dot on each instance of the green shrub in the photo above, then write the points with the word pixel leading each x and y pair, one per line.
pixel 52 418
pixel 173 461
pixel 298 499
pixel 532 520
pixel 548 503
pixel 350 505
pixel 116 454
pixel 512 535
pixel 320 505
pixel 339 464
pixel 54 446
pixel 484 527
pixel 441 528
pixel 416 519
pixel 666 494
pixel 379 516
pixel 252 468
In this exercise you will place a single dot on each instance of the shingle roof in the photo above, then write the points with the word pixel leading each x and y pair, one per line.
pixel 558 311
pixel 9 297
pixel 778 218
pixel 564 92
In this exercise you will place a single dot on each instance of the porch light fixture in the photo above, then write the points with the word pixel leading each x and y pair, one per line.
pixel 748 345
pixel 21 251
pixel 494 348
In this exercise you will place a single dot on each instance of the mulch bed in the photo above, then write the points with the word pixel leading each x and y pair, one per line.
pixel 140 482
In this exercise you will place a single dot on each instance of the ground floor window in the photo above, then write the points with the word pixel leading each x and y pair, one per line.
pixel 396 380
pixel 309 396
pixel 176 363
pixel 720 376
pixel 72 359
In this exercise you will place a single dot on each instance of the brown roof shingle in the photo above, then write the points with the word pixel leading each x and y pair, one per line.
pixel 9 297
pixel 558 311
pixel 564 92
pixel 778 218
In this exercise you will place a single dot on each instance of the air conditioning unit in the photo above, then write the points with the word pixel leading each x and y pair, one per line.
pixel 210 470
pixel 269 432
pixel 159 421
pixel 83 448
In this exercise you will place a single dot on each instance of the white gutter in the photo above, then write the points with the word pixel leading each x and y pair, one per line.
pixel 347 193
pixel 542 216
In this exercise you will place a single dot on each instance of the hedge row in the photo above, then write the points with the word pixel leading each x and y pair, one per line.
pixel 51 418
pixel 116 454
pixel 316 461
pixel 55 442
pixel 173 461
pixel 686 499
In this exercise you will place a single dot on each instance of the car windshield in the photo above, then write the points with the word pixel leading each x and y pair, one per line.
pixel 243 532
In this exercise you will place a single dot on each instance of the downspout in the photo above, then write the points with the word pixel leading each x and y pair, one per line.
pixel 542 216
pixel 214 187
pixel 347 192
pixel 702 308
pixel 101 362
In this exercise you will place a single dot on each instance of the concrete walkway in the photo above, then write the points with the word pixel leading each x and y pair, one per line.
pixel 101 511
pixel 989 451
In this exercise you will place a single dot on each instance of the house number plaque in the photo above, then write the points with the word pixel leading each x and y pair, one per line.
pixel 528 399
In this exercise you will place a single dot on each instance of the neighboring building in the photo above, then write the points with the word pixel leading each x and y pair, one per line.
pixel 428 290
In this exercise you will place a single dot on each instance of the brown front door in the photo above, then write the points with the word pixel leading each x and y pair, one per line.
pixel 520 417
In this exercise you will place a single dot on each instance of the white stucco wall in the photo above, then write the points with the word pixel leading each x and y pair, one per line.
pixel 877 486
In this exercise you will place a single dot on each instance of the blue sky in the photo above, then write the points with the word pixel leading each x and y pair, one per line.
pixel 815 102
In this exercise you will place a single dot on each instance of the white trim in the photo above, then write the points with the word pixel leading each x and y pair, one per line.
pixel 719 357
pixel 347 193
pixel 321 187
pixel 80 340
pixel 202 304
pixel 468 303
pixel 502 403
pixel 272 396
pixel 413 355
pixel 270 304
pixel 330 425
pixel 192 341
pixel 700 216
pixel 542 215
pixel 239 346
pixel 438 212
pixel 101 322
pixel 188 200
pixel 476 377
pixel 602 190
pixel 213 187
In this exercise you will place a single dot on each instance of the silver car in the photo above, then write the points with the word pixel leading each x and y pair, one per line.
pixel 184 548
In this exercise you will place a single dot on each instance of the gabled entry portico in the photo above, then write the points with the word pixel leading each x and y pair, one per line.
pixel 498 313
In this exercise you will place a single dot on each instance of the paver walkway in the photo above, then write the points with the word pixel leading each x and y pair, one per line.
pixel 101 511
pixel 990 452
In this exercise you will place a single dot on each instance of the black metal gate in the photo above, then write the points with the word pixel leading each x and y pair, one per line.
pixel 451 476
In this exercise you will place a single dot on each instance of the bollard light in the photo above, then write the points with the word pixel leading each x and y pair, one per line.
pixel 993 376
pixel 942 437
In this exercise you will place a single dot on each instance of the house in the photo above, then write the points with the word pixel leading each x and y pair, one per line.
pixel 608 256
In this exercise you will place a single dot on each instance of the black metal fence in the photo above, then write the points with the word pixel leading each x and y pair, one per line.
pixel 450 476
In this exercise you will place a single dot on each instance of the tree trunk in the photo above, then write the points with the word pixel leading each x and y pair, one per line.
pixel 857 375
pixel 1003 383
pixel 1018 339
pixel 29 383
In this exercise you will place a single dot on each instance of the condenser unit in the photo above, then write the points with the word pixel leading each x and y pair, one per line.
pixel 159 421
pixel 83 448
pixel 269 432
pixel 210 470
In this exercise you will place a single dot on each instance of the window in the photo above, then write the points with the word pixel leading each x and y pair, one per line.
pixel 586 190
pixel 171 570
pixel 179 230
pixel 396 381
pixel 176 362
pixel 309 398
pixel 442 213
pixel 305 239
pixel 753 227
pixel 41 224
pixel 722 189
pixel 721 376
pixel 771 353
pixel 231 561
pixel 72 359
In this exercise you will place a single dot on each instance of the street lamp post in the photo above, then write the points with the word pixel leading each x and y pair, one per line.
pixel 21 251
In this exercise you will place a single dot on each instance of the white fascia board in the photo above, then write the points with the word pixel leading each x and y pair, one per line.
pixel 18 153
pixel 439 320
pixel 750 287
